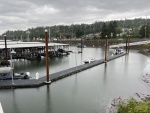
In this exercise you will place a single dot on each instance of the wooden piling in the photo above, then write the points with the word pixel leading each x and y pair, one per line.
pixel 47 55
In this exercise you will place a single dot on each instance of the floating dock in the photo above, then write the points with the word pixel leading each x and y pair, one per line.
pixel 30 83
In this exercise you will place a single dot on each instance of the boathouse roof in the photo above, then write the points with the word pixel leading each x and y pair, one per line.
pixel 19 44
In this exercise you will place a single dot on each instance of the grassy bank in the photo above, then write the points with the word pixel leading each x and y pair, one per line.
pixel 133 106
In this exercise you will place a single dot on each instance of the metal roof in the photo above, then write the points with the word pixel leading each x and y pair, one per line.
pixel 19 44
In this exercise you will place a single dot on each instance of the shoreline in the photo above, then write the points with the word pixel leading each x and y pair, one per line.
pixel 145 78
pixel 113 105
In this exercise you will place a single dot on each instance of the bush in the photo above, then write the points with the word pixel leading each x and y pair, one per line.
pixel 134 107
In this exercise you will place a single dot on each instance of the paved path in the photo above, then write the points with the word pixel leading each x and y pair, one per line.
pixel 7 84
pixel 131 44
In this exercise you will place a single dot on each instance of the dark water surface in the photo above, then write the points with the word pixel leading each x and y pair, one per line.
pixel 89 91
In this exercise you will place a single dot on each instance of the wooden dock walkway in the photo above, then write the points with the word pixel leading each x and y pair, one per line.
pixel 29 83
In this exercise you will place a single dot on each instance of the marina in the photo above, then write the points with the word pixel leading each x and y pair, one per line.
pixel 84 92
pixel 74 56
pixel 59 70
pixel 34 51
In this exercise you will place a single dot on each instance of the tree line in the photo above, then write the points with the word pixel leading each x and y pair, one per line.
pixel 139 28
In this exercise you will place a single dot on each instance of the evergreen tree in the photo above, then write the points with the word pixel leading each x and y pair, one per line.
pixel 110 30
pixel 144 31
pixel 115 25
pixel 79 33
pixel 104 31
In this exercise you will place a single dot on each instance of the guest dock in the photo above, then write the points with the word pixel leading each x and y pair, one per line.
pixel 31 83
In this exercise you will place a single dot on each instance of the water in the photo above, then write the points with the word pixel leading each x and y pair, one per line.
pixel 89 91
pixel 58 64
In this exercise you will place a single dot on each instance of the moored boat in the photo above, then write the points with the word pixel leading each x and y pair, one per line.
pixel 6 73
pixel 118 51
pixel 79 46
pixel 89 61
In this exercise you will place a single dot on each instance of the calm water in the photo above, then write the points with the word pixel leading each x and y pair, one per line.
pixel 89 91
pixel 57 64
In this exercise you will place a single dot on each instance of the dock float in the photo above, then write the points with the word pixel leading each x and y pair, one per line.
pixel 31 83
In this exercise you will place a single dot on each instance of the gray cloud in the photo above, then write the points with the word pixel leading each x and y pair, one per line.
pixel 23 14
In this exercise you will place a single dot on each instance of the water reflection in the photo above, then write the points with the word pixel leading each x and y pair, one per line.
pixel 74 88
pixel 48 100
pixel 14 102
pixel 126 63
pixel 105 72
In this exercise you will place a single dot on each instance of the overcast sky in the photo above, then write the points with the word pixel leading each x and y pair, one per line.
pixel 24 14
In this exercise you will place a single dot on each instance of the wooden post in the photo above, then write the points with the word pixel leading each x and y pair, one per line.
pixel 81 45
pixel 5 47
pixel 106 44
pixel 126 43
pixel 47 62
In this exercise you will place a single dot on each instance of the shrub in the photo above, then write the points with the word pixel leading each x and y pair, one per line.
pixel 132 106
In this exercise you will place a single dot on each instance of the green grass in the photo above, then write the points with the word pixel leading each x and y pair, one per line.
pixel 134 107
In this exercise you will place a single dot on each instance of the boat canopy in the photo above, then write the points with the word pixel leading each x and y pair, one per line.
pixel 5 69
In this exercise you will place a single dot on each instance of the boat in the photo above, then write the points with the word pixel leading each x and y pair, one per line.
pixel 79 46
pixel 118 51
pixel 62 52
pixel 7 72
pixel 89 61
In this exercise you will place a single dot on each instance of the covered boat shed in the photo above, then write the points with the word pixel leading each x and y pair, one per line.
pixel 26 50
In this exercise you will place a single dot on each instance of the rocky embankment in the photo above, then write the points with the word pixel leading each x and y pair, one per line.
pixel 146 79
